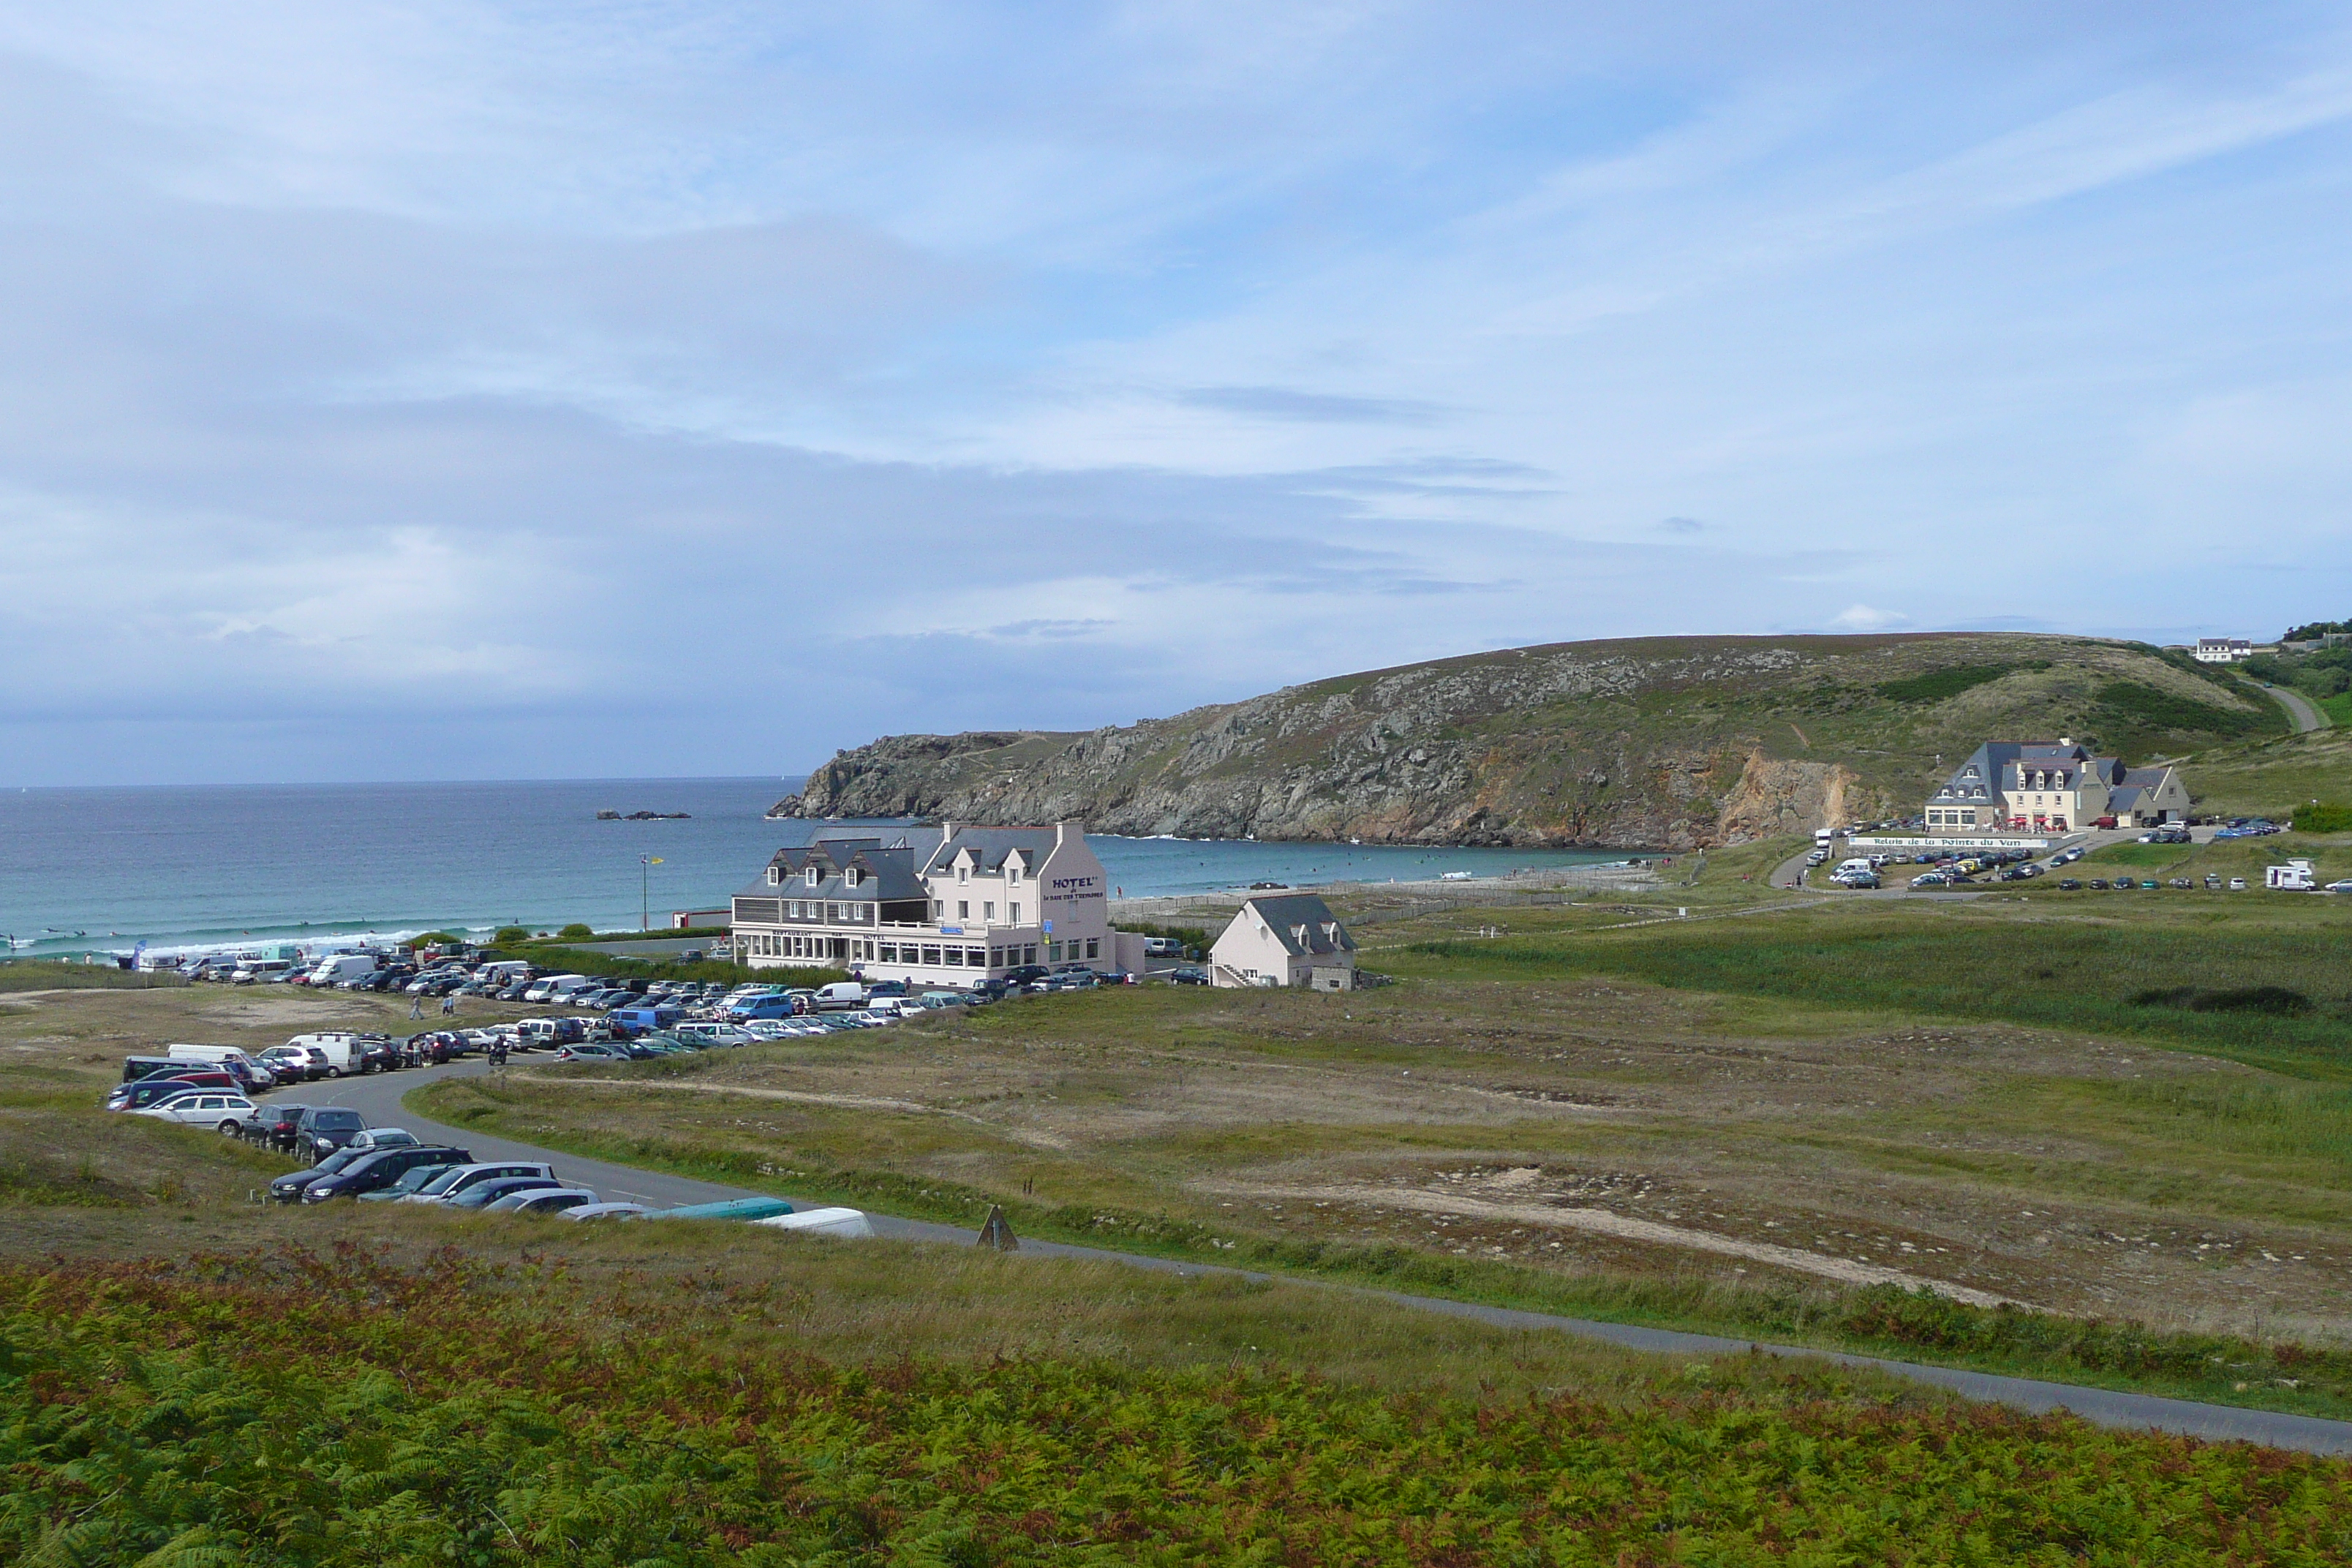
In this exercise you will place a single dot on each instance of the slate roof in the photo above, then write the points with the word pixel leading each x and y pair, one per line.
pixel 989 846
pixel 1304 924
pixel 1986 773
pixel 886 873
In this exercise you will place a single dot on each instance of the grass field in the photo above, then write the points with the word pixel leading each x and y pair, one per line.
pixel 194 1375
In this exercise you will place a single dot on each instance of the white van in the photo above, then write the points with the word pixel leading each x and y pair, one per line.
pixel 1859 863
pixel 342 966
pixel 555 987
pixel 1822 836
pixel 262 971
pixel 507 971
pixel 841 994
pixel 341 1048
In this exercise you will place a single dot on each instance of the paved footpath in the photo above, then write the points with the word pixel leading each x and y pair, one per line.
pixel 378 1098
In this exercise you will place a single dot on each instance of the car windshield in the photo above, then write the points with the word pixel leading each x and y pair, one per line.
pixel 335 1161
pixel 334 1120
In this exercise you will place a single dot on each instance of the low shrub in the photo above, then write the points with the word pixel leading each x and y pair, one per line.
pixel 304 1409
pixel 1938 685
pixel 2319 818
pixel 2278 1001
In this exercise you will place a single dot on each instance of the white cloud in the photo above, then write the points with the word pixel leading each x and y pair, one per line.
pixel 934 365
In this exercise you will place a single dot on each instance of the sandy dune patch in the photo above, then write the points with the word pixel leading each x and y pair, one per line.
pixel 1603 1222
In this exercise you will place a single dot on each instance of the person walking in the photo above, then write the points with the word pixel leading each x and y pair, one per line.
pixel 449 1006
pixel 417 1006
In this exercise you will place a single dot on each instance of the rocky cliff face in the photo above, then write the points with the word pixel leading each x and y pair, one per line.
pixel 1659 744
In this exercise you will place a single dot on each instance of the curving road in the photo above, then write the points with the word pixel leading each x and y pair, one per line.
pixel 2307 715
pixel 379 1099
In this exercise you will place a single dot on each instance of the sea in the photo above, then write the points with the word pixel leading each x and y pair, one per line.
pixel 225 867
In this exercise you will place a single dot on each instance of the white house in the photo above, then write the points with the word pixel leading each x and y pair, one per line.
pixel 947 906
pixel 2223 650
pixel 2043 786
pixel 1294 940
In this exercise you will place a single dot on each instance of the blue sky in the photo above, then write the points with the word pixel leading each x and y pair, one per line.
pixel 446 390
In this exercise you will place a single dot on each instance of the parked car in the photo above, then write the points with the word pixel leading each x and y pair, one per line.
pixel 2183 883
pixel 606 1211
pixel 147 1091
pixel 847 1224
pixel 327 1127
pixel 370 1138
pixel 291 1064
pixel 382 1168
pixel 287 1188
pixel 481 1194
pixel 2070 885
pixel 584 1052
pixel 203 1108
pixel 273 1126
pixel 2237 884
pixel 536 1200
pixel 2345 887
pixel 451 1183
pixel 1187 977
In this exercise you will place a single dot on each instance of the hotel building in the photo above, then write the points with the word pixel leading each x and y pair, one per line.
pixel 945 906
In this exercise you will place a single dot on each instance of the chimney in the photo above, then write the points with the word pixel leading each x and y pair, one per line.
pixel 1061 832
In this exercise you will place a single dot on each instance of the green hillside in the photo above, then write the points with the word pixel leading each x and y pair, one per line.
pixel 1662 741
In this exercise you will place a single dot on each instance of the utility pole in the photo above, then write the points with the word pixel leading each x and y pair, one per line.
pixel 646 864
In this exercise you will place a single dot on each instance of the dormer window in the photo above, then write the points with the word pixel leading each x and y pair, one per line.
pixel 811 875
pixel 850 878
pixel 775 876
pixel 1013 872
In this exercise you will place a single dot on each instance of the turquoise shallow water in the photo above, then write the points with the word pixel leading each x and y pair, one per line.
pixel 104 868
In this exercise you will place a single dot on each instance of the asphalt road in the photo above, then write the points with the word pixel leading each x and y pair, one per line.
pixel 378 1099
pixel 2306 713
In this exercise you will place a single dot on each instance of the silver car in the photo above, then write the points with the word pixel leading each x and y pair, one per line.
pixel 204 1108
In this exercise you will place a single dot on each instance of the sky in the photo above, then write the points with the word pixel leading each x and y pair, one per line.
pixel 449 390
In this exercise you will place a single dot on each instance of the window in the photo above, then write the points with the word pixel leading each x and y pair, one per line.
pixel 975 957
pixel 930 954
pixel 1013 873
pixel 1028 953
pixel 775 875
pixel 1053 952
pixel 952 957
pixel 1016 913
pixel 963 909
pixel 988 910
pixel 850 878
pixel 963 874
pixel 889 952
pixel 811 875
pixel 1093 947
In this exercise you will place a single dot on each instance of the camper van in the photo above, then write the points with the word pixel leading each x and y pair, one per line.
pixel 1822 836
pixel 2295 877
pixel 263 972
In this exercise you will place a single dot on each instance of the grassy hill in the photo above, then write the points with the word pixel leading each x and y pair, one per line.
pixel 1664 742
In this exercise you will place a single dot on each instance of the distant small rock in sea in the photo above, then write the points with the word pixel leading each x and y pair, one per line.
pixel 646 817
